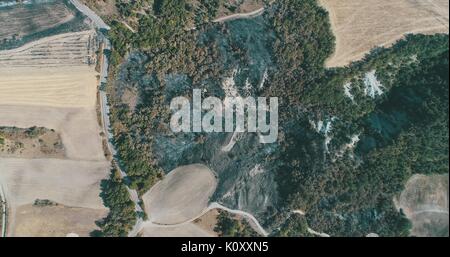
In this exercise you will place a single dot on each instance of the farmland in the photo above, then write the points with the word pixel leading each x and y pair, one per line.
pixel 361 25
pixel 36 19
pixel 49 81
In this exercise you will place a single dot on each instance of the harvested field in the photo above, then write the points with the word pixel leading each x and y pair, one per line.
pixel 185 230
pixel 181 196
pixel 55 87
pixel 51 221
pixel 52 83
pixel 425 202
pixel 72 183
pixel 30 143
pixel 77 127
pixel 69 49
pixel 26 19
pixel 361 25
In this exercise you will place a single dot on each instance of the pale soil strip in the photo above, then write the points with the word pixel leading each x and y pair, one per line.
pixel 431 210
pixel 241 15
pixel 185 230
pixel 317 233
pixel 128 26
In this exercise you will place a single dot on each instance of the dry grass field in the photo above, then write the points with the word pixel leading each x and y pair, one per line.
pixel 181 196
pixel 361 25
pixel 56 87
pixel 50 221
pixel 73 183
pixel 425 202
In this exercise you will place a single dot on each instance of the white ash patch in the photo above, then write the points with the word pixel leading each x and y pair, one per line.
pixel 373 87
pixel 347 88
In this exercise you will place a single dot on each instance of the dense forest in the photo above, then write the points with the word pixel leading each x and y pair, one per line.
pixel 345 188
pixel 402 133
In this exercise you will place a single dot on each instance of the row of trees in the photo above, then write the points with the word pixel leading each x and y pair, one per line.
pixel 122 216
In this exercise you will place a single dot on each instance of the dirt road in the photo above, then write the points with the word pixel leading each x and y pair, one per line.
pixel 248 15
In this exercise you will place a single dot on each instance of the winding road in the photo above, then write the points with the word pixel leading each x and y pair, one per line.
pixel 247 15
pixel 100 24
pixel 236 16
pixel 214 205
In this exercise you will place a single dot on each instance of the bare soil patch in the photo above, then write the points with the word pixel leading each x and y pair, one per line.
pixel 425 202
pixel 181 196
pixel 70 182
pixel 55 221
